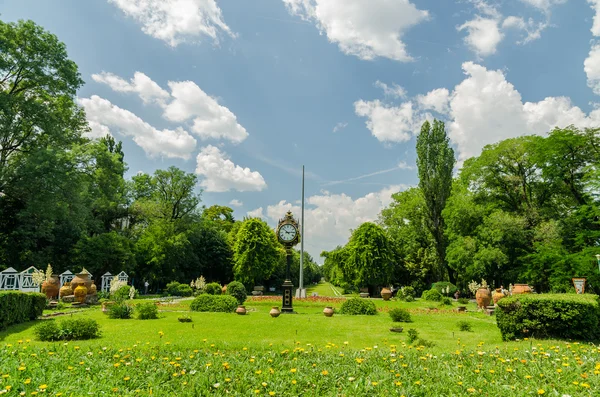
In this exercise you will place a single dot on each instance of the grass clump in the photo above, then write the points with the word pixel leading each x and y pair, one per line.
pixel 399 315
pixel 358 306
pixel 120 311
pixel 464 325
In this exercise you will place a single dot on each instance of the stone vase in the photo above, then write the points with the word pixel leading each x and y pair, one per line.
pixel 50 287
pixel 275 312
pixel 241 309
pixel 497 295
pixel 65 290
pixel 81 279
pixel 483 297
pixel 521 289
pixel 386 294
pixel 80 293
pixel 92 290
pixel 328 311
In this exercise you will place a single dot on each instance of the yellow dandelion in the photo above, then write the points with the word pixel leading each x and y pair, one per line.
pixel 541 391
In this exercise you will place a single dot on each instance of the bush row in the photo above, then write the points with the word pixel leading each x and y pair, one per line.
pixel 214 303
pixel 68 329
pixel 18 307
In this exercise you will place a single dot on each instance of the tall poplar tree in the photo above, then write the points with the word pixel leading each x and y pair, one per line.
pixel 435 161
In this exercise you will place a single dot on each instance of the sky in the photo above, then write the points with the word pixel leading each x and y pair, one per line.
pixel 244 93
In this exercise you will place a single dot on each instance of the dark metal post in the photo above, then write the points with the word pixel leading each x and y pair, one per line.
pixel 286 306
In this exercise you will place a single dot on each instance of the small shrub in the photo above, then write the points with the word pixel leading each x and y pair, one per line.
pixel 400 315
pixel 120 311
pixel 213 289
pixel 432 295
pixel 214 303
pixel 412 335
pixel 445 288
pixel 237 290
pixel 358 306
pixel 177 289
pixel 409 299
pixel 407 294
pixel 463 301
pixel 445 301
pixel 68 329
pixel 424 343
pixel 184 319
pixel 146 311
pixel 123 293
pixel 464 325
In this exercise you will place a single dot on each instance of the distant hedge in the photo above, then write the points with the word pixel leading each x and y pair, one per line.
pixel 214 303
pixel 561 316
pixel 18 307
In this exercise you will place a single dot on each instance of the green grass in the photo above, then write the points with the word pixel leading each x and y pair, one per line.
pixel 324 289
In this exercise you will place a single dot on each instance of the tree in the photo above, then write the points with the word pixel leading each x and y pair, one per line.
pixel 221 215
pixel 435 161
pixel 256 252
pixel 213 254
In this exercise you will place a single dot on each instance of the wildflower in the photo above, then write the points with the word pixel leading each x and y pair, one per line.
pixel 324 372
pixel 43 387
pixel 22 368
pixel 126 378
pixel 264 384
pixel 216 385
pixel 541 391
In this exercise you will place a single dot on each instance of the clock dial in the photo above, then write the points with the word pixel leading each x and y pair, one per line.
pixel 287 233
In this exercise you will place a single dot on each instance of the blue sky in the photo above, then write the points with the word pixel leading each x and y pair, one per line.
pixel 245 92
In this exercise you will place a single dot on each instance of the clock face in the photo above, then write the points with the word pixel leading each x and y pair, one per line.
pixel 287 233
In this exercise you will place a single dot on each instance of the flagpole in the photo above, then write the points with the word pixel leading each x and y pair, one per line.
pixel 301 286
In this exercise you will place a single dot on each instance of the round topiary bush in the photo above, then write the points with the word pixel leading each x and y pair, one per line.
pixel 146 311
pixel 432 295
pixel 358 306
pixel 214 303
pixel 400 315
pixel 237 290
pixel 445 288
pixel 213 289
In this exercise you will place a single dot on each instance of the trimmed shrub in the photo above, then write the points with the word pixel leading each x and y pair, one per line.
pixel 432 295
pixel 561 316
pixel 237 290
pixel 213 289
pixel 445 301
pixel 146 311
pixel 120 311
pixel 407 294
pixel 464 325
pixel 400 315
pixel 445 288
pixel 68 329
pixel 18 307
pixel 358 306
pixel 175 288
pixel 214 303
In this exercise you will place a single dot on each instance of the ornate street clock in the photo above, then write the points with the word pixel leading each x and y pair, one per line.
pixel 288 234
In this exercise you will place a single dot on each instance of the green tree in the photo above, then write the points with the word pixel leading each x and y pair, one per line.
pixel 435 161
pixel 256 252
pixel 221 215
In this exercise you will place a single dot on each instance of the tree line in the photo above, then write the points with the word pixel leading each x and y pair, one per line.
pixel 65 201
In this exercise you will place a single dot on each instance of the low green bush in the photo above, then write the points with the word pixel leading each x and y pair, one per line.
pixel 358 306
pixel 120 311
pixel 412 335
pixel 214 303
pixel 68 329
pixel 238 291
pixel 18 307
pixel 175 288
pixel 463 301
pixel 146 311
pixel 445 288
pixel 464 325
pixel 561 316
pixel 432 295
pixel 213 289
pixel 122 293
pixel 406 294
pixel 400 315
pixel 445 301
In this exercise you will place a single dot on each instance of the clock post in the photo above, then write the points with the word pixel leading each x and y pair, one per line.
pixel 288 235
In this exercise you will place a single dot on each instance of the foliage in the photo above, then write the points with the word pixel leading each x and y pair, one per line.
pixel 474 286
pixel 213 289
pixel 358 306
pixel 445 288
pixel 432 295
pixel 237 290
pixel 445 301
pixel 463 301
pixel 199 283
pixel 214 303
pixel 412 335
pixel 435 162
pixel 464 325
pixel 256 252
pixel 18 307
pixel 400 315
pixel 175 288
pixel 67 329
pixel 407 294
pixel 563 316
pixel 123 293
pixel 120 311
pixel 184 318
pixel 146 311
pixel 116 285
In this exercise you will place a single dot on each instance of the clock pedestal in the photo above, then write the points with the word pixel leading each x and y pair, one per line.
pixel 287 287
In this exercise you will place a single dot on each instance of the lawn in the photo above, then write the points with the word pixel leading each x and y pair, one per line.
pixel 301 354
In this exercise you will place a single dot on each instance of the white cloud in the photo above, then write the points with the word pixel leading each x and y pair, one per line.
pixel 544 5
pixel 364 28
pixel 103 116
pixel 389 123
pixel 140 84
pixel 97 130
pixel 187 101
pixel 435 100
pixel 236 203
pixel 257 213
pixel 404 166
pixel 221 174
pixel 339 126
pixel 595 4
pixel 328 218
pixel 177 21
pixel 483 35
pixel 591 66
pixel 532 29
pixel 395 91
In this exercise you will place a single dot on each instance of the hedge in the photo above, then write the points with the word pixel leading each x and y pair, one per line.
pixel 214 303
pixel 18 307
pixel 560 316
pixel 358 306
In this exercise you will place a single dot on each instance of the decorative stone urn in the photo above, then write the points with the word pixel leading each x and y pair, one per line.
pixel 275 312
pixel 65 290
pixel 483 297
pixel 80 293
pixel 92 290
pixel 497 295
pixel 50 287
pixel 328 311
pixel 521 289
pixel 386 294
pixel 241 309
pixel 81 279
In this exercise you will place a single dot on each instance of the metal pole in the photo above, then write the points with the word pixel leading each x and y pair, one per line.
pixel 301 286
